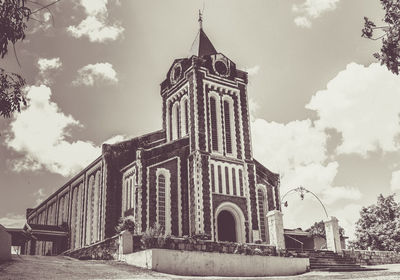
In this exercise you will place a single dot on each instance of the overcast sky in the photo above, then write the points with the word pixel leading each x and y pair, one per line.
pixel 324 114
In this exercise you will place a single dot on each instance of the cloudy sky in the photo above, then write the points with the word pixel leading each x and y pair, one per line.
pixel 325 115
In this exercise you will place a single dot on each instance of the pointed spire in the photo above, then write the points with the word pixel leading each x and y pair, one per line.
pixel 200 20
pixel 202 45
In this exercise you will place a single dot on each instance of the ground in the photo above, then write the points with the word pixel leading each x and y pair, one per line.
pixel 44 267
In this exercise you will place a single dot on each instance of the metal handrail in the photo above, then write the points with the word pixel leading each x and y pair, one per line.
pixel 301 243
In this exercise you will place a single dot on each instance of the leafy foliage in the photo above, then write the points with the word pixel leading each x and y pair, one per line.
pixel 389 54
pixel 379 226
pixel 126 223
pixel 318 229
pixel 154 237
pixel 12 94
pixel 13 18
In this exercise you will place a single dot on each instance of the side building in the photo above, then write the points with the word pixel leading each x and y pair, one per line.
pixel 196 175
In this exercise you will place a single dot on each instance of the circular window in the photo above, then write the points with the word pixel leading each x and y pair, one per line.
pixel 176 73
pixel 221 68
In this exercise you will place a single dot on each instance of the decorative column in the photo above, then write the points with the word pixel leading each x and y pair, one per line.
pixel 332 235
pixel 275 226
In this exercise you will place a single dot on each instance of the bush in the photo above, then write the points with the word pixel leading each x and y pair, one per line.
pixel 126 223
pixel 154 237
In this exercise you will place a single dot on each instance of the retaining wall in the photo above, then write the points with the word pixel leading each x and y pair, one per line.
pixel 196 263
pixel 364 257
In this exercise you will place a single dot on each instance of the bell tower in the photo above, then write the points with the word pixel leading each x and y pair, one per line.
pixel 205 99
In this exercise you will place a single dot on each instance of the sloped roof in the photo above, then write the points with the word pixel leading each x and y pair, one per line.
pixel 202 45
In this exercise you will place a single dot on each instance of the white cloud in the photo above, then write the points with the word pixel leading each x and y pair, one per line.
pixel 395 181
pixel 39 195
pixel 283 146
pixel 94 7
pixel 39 132
pixel 99 72
pixel 253 70
pixel 46 64
pixel 297 151
pixel 302 22
pixel 96 26
pixel 96 30
pixel 363 104
pixel 46 67
pixel 115 139
pixel 13 221
pixel 312 9
pixel 348 216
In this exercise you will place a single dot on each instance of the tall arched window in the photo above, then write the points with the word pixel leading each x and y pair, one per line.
pixel 161 200
pixel 262 211
pixel 73 217
pixel 184 116
pixel 214 123
pixel 228 128
pixel 175 121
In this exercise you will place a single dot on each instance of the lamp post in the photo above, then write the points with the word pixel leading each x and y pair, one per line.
pixel 302 191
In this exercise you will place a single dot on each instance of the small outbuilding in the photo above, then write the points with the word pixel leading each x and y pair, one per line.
pixel 5 244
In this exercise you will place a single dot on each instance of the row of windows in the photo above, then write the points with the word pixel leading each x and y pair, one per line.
pixel 226 180
pixel 130 194
pixel 222 127
pixel 179 119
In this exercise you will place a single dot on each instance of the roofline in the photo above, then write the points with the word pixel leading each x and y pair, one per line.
pixel 67 184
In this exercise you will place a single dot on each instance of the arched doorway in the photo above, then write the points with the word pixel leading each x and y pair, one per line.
pixel 229 223
pixel 226 226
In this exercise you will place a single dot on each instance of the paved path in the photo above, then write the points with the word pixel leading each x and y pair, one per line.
pixel 41 267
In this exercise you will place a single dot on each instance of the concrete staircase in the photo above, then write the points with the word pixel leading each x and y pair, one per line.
pixel 323 260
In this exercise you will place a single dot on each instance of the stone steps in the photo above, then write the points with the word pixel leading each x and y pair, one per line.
pixel 329 261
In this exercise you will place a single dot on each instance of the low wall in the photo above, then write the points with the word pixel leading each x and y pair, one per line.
pixel 185 244
pixel 104 250
pixel 109 249
pixel 196 263
pixel 5 244
pixel 364 257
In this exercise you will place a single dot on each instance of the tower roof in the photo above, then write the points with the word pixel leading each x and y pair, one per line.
pixel 202 45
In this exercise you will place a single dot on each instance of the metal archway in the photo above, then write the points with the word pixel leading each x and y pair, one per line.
pixel 303 191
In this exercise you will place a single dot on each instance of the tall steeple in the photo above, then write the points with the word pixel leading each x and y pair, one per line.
pixel 202 45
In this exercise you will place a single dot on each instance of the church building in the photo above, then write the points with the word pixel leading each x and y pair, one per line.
pixel 196 175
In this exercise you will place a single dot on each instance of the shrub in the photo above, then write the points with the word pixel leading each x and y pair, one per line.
pixel 126 223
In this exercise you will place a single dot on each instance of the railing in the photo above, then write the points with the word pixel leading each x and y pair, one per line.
pixel 298 241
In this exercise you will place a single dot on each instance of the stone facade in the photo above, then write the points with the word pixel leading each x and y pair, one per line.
pixel 184 177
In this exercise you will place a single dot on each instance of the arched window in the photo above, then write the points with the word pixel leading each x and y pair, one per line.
pixel 228 128
pixel 214 123
pixel 161 200
pixel 73 217
pixel 262 211
pixel 184 116
pixel 175 121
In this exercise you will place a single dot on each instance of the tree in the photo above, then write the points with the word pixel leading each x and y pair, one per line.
pixel 13 18
pixel 14 15
pixel 318 229
pixel 389 54
pixel 379 226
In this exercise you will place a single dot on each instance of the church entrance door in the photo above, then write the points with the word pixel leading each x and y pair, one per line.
pixel 226 226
